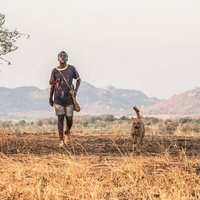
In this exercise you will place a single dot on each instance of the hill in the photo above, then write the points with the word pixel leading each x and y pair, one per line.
pixel 31 101
pixel 187 103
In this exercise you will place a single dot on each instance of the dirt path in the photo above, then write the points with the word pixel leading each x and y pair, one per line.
pixel 101 145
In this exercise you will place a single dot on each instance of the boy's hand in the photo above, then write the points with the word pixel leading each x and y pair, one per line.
pixel 51 102
pixel 73 93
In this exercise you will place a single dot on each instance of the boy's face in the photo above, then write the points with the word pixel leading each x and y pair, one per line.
pixel 62 58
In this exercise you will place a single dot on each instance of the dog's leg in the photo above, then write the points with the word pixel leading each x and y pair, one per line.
pixel 133 147
pixel 134 143
pixel 142 135
pixel 140 142
pixel 133 138
pixel 138 146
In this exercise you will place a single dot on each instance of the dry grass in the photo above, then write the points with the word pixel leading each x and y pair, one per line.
pixel 98 167
pixel 57 176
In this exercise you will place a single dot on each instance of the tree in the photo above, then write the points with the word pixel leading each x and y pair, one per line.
pixel 7 39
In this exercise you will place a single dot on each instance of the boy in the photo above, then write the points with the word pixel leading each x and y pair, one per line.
pixel 62 101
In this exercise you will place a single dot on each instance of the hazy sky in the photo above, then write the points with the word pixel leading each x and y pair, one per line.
pixel 147 45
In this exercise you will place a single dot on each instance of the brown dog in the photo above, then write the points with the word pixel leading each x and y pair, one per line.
pixel 137 130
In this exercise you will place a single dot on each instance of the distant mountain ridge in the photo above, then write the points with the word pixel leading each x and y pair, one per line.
pixel 21 99
pixel 93 100
pixel 111 100
pixel 187 103
pixel 32 101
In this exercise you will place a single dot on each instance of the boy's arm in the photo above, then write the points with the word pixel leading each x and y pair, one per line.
pixel 52 83
pixel 78 82
pixel 51 95
pixel 73 92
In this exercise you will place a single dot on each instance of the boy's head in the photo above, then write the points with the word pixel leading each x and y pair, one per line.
pixel 62 57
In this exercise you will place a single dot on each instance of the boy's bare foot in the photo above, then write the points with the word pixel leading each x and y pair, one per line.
pixel 61 144
pixel 67 136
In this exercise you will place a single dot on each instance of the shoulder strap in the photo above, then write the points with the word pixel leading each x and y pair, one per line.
pixel 65 80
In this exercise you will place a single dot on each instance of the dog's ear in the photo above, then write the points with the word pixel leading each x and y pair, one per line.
pixel 133 118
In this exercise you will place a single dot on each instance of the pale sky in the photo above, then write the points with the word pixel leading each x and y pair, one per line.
pixel 147 45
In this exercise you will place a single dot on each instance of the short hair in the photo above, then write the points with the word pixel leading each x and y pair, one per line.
pixel 63 52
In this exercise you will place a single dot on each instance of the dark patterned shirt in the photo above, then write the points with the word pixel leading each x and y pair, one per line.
pixel 61 89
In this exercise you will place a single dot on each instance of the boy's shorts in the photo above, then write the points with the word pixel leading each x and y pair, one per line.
pixel 64 110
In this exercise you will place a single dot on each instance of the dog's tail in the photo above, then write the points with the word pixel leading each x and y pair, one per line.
pixel 137 112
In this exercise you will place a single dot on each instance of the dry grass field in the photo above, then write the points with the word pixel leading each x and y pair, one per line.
pixel 98 165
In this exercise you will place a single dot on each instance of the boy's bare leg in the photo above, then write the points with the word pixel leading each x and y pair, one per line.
pixel 69 126
pixel 60 129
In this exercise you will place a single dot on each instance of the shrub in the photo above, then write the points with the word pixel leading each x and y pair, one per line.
pixel 168 126
pixel 185 120
pixel 151 120
pixel 21 123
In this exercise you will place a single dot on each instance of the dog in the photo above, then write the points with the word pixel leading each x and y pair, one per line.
pixel 137 131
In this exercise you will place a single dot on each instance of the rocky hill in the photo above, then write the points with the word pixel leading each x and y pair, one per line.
pixel 187 103
pixel 93 100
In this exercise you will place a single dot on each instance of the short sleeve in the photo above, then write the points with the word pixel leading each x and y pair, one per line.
pixel 52 80
pixel 75 74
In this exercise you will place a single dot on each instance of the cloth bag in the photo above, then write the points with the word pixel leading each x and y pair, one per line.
pixel 76 106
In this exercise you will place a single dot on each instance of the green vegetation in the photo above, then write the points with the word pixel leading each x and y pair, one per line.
pixel 109 123
pixel 7 39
